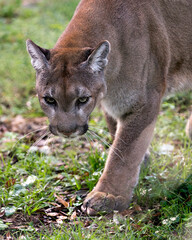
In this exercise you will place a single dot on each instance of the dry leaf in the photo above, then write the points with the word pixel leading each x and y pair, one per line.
pixel 19 227
pixel 87 223
pixel 74 223
pixel 64 214
pixel 2 213
pixel 10 183
pixel 22 238
pixel 8 236
pixel 52 214
pixel 54 204
pixel 74 215
pixel 9 220
pixel 73 199
pixel 128 212
pixel 59 221
pixel 59 177
pixel 157 214
pixel 136 226
pixel 86 174
pixel 62 217
pixel 62 201
pixel 137 208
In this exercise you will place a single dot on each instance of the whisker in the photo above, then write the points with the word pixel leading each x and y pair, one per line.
pixel 90 140
pixel 47 133
pixel 97 128
pixel 40 138
pixel 87 138
pixel 26 135
pixel 115 150
pixel 101 139
pixel 48 137
pixel 53 149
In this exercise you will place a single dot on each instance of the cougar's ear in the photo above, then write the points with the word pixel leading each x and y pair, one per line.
pixel 39 56
pixel 98 58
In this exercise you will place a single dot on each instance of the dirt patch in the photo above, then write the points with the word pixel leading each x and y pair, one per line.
pixel 24 126
pixel 28 3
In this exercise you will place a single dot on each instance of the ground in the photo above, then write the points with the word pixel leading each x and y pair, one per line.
pixel 44 179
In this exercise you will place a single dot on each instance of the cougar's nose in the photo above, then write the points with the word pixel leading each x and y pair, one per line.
pixel 53 130
pixel 85 128
pixel 66 132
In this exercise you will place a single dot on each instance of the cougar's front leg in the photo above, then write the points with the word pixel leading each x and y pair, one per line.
pixel 111 124
pixel 114 189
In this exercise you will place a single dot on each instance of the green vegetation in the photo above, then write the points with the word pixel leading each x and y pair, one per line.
pixel 44 183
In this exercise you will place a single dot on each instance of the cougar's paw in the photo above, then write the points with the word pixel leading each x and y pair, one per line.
pixel 102 202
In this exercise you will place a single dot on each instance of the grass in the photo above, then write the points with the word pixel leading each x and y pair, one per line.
pixel 42 188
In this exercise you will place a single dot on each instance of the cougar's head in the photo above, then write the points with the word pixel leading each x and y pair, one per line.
pixel 69 83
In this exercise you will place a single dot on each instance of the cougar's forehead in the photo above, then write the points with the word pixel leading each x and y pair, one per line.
pixel 67 60
pixel 65 78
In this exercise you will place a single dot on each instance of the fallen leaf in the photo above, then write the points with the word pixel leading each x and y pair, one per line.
pixel 10 182
pixel 73 199
pixel 128 212
pixel 137 208
pixel 52 214
pixel 59 221
pixel 63 213
pixel 59 177
pixel 54 204
pixel 9 220
pixel 22 238
pixel 74 223
pixel 8 236
pixel 87 223
pixel 157 214
pixel 19 227
pixel 74 215
pixel 93 226
pixel 136 226
pixel 86 174
pixel 2 213
pixel 62 217
pixel 62 201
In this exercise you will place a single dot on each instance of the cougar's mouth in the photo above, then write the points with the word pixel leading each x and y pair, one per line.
pixel 78 132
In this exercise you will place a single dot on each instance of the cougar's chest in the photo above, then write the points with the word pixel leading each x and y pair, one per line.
pixel 121 101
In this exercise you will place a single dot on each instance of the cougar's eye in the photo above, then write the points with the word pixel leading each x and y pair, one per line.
pixel 83 99
pixel 49 100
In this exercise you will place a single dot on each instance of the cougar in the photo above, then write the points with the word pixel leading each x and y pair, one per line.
pixel 125 55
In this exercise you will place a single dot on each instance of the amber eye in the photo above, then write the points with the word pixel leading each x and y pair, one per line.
pixel 50 100
pixel 83 99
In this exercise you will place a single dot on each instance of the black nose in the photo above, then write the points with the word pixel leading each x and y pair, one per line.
pixel 85 128
pixel 52 130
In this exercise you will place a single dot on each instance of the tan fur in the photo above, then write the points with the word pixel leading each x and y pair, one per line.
pixel 148 53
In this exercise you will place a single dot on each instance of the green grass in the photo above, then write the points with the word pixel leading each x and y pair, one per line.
pixel 161 206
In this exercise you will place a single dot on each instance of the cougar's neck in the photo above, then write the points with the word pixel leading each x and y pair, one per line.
pixel 88 27
pixel 92 23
